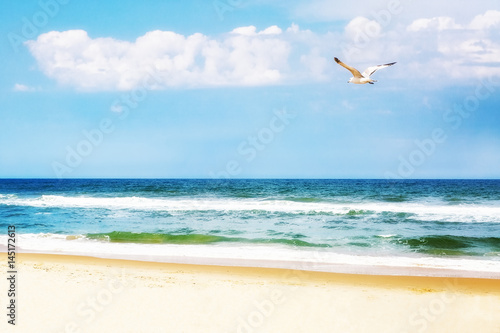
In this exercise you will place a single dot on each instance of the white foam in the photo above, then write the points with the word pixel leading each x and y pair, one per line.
pixel 259 255
pixel 420 211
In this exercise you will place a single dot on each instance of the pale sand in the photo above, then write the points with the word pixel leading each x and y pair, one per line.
pixel 82 294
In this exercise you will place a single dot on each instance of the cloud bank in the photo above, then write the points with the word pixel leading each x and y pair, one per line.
pixel 429 48
pixel 243 57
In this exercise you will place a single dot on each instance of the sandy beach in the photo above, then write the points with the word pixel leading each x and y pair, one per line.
pixel 59 293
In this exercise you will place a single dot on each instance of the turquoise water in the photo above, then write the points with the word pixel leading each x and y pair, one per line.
pixel 444 218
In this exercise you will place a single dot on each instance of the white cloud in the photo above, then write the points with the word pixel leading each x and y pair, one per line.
pixel 23 87
pixel 490 19
pixel 437 49
pixel 467 51
pixel 243 57
pixel 436 23
pixel 252 31
pixel 272 30
pixel 361 27
pixel 245 31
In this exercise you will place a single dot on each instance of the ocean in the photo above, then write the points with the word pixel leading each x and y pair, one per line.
pixel 416 227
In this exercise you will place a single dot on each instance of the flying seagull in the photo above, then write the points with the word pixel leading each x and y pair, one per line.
pixel 359 78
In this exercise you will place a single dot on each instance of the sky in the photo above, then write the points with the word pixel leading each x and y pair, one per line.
pixel 249 89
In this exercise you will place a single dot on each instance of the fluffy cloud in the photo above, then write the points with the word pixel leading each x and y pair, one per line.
pixel 490 19
pixel 243 57
pixel 23 87
pixel 252 31
pixel 437 23
pixel 470 50
pixel 433 40
pixel 430 48
pixel 360 26
pixel 436 49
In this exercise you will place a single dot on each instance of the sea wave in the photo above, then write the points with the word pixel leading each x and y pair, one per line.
pixel 452 245
pixel 191 238
pixel 420 211
pixel 260 255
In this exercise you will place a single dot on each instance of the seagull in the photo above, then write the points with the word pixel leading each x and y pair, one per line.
pixel 359 78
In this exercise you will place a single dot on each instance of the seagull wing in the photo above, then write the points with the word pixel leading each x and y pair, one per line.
pixel 370 70
pixel 353 70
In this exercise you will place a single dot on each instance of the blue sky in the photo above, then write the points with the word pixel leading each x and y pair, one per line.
pixel 249 89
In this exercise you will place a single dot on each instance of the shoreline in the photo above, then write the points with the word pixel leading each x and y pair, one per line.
pixel 90 294
pixel 468 283
pixel 279 257
pixel 308 266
